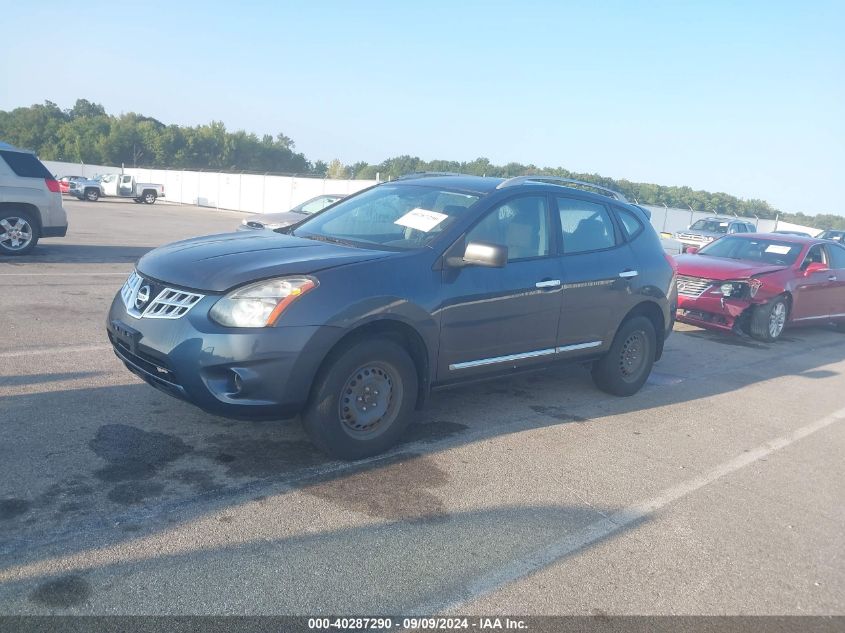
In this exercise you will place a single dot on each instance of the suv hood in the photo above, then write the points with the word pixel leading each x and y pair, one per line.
pixel 721 268
pixel 217 263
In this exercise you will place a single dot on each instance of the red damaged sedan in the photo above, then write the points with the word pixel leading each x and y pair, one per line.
pixel 758 284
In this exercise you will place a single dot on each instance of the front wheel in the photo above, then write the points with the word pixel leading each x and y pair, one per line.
pixel 18 233
pixel 623 370
pixel 768 320
pixel 92 195
pixel 149 197
pixel 362 402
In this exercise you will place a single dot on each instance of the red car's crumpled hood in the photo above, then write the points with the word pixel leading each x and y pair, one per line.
pixel 721 268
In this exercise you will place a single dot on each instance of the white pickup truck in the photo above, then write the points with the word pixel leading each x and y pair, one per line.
pixel 118 185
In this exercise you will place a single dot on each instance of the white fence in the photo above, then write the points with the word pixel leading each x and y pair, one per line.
pixel 255 193
pixel 258 193
pixel 672 220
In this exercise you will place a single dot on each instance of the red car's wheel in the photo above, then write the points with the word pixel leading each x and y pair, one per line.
pixel 769 319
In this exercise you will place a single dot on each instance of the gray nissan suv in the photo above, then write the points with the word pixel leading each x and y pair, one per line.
pixel 353 316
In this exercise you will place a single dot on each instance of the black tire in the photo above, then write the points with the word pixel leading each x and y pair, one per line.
pixel 137 200
pixel 14 225
pixel 337 419
pixel 769 320
pixel 623 370
pixel 149 197
pixel 92 194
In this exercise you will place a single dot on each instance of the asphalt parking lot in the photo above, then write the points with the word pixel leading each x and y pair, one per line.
pixel 719 489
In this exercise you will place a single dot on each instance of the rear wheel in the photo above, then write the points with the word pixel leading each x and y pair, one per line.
pixel 628 362
pixel 92 194
pixel 18 233
pixel 137 200
pixel 363 400
pixel 768 320
pixel 149 197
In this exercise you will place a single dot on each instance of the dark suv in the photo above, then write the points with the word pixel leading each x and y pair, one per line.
pixel 351 316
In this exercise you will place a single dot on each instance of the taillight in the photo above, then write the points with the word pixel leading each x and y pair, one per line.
pixel 53 185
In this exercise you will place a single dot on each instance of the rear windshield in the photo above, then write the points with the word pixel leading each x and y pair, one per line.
pixel 763 251
pixel 711 226
pixel 25 164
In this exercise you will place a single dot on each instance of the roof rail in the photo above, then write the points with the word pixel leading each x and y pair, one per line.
pixel 565 181
pixel 427 174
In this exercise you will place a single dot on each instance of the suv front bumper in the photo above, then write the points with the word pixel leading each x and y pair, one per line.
pixel 249 373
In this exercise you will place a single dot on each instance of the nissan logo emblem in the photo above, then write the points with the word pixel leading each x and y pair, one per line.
pixel 142 297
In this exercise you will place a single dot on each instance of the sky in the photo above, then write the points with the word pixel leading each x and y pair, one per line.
pixel 747 98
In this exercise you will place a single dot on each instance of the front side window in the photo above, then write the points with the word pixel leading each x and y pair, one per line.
pixel 394 216
pixel 816 255
pixel 586 226
pixel 521 224
pixel 739 227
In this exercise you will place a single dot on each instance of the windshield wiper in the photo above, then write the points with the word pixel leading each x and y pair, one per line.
pixel 326 238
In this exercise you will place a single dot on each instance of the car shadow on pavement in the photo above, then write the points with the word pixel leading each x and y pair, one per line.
pixel 59 253
pixel 38 379
pixel 126 463
pixel 407 564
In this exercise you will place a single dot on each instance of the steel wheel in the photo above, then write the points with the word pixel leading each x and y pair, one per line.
pixel 633 355
pixel 777 319
pixel 16 233
pixel 370 399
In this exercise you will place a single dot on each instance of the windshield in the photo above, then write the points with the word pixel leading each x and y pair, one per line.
pixel 315 204
pixel 394 216
pixel 761 251
pixel 711 226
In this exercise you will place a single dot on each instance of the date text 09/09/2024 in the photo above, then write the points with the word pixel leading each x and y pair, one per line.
pixel 431 623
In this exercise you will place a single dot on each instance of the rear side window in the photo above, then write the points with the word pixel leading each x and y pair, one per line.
pixel 837 257
pixel 25 164
pixel 631 225
pixel 586 226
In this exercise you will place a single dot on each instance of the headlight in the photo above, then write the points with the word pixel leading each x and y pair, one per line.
pixel 260 304
pixel 727 289
pixel 709 238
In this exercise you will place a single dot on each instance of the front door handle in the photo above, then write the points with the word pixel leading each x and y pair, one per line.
pixel 548 283
pixel 628 274
pixel 832 278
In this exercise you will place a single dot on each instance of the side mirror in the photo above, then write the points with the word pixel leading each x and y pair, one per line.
pixel 482 254
pixel 691 250
pixel 815 267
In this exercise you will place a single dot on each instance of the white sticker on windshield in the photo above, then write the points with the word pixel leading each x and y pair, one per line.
pixel 777 248
pixel 421 219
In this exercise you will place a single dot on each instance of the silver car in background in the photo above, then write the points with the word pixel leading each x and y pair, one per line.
pixel 286 218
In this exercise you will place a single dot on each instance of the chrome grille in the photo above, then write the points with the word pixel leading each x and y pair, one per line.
pixel 692 287
pixel 169 303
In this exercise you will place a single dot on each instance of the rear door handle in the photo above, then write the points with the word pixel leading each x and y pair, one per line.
pixel 628 274
pixel 548 283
